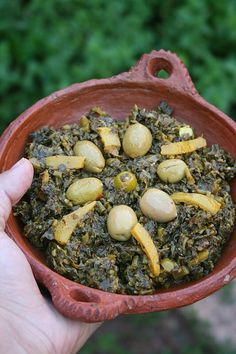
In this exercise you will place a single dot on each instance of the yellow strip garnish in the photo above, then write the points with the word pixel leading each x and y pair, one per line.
pixel 64 228
pixel 71 162
pixel 110 140
pixel 183 147
pixel 204 202
pixel 144 239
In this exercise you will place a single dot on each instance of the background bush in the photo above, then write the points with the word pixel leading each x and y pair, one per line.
pixel 47 45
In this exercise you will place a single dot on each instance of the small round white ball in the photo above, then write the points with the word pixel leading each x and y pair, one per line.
pixel 158 205
pixel 120 221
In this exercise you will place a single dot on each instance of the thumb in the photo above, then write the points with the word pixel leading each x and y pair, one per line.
pixel 13 185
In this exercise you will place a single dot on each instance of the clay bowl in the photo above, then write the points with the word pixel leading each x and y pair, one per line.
pixel 117 95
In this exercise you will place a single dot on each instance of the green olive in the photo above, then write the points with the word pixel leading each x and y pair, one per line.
pixel 137 140
pixel 158 205
pixel 172 170
pixel 85 190
pixel 120 221
pixel 94 160
pixel 125 181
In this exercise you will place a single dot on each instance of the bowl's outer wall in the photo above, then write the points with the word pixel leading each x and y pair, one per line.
pixel 117 95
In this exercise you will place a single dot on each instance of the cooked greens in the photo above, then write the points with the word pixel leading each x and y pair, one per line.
pixel 128 206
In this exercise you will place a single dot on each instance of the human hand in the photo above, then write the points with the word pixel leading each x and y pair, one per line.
pixel 28 322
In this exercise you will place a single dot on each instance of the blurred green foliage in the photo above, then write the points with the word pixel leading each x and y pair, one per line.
pixel 170 332
pixel 227 295
pixel 47 45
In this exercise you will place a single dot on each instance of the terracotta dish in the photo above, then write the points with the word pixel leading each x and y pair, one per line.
pixel 117 95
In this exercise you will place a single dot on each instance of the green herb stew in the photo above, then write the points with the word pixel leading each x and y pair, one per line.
pixel 128 206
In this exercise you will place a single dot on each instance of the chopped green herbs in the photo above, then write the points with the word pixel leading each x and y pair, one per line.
pixel 188 246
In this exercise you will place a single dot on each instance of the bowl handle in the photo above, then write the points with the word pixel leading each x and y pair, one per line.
pixel 151 64
pixel 85 304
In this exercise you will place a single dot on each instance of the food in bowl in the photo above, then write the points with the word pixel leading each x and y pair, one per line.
pixel 128 206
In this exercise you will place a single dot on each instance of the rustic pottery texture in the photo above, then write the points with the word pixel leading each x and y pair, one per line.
pixel 117 95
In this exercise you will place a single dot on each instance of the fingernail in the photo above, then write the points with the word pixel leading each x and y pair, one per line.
pixel 19 163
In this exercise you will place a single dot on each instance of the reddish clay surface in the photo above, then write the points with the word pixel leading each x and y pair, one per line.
pixel 117 95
